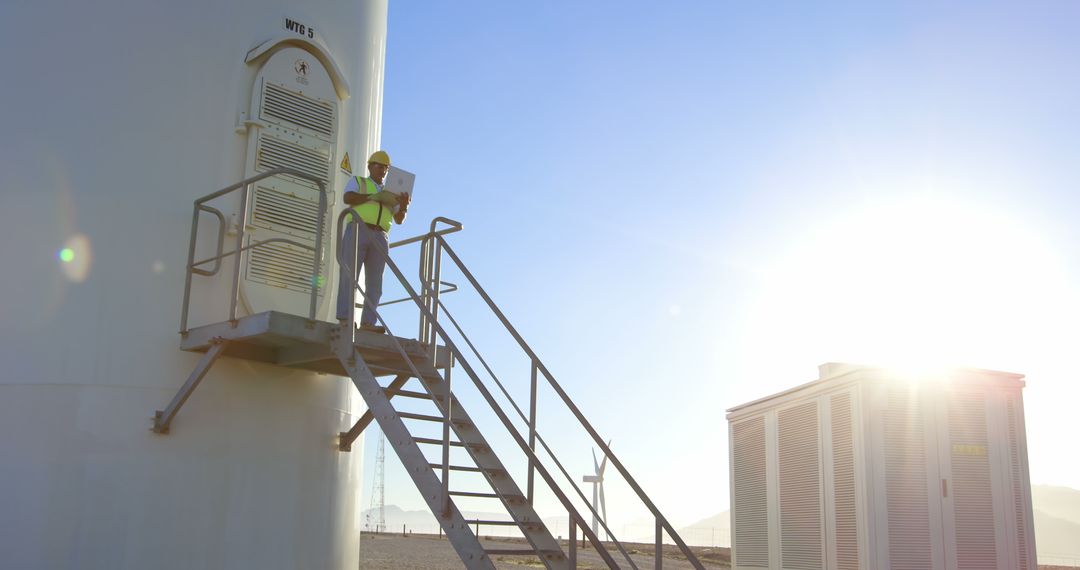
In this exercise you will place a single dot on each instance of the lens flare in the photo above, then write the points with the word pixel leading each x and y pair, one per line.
pixel 75 258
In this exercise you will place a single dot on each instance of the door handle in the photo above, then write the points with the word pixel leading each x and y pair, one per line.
pixel 945 488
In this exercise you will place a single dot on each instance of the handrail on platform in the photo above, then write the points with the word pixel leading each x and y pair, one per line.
pixel 200 206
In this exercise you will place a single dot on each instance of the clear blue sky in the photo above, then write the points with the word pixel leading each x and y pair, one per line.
pixel 688 205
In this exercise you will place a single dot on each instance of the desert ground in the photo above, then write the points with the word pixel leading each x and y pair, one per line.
pixel 428 552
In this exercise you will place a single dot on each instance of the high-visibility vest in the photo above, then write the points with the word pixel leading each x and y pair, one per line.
pixel 372 212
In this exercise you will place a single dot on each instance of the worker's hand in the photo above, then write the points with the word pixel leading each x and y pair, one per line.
pixel 388 199
pixel 403 200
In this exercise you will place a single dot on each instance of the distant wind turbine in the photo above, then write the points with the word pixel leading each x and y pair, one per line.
pixel 597 480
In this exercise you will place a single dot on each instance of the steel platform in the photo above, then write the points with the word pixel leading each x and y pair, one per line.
pixel 297 342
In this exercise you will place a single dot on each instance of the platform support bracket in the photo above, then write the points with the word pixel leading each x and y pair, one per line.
pixel 162 418
pixel 346 438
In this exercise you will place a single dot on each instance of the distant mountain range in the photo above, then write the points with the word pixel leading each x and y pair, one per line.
pixel 1057 520
pixel 1057 523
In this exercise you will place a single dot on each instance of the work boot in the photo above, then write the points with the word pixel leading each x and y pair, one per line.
pixel 373 328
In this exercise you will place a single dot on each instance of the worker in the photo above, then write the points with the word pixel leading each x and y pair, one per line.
pixel 374 208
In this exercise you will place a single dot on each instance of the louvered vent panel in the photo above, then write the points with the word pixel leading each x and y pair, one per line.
pixel 800 487
pixel 843 454
pixel 905 482
pixel 751 506
pixel 973 501
pixel 1016 475
pixel 285 213
pixel 300 110
pixel 282 265
pixel 274 153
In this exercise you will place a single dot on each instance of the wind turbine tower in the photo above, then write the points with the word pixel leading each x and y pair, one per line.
pixel 597 480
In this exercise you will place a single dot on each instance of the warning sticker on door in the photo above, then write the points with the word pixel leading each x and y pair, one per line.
pixel 345 165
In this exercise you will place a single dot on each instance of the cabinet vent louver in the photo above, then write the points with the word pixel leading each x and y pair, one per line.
pixel 285 213
pixel 300 110
pixel 799 471
pixel 282 265
pixel 273 153
pixel 905 481
pixel 972 495
pixel 1015 473
pixel 843 456
pixel 750 489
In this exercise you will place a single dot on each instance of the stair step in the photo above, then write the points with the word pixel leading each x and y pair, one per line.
pixel 546 554
pixel 491 523
pixel 424 417
pixel 431 441
pixel 525 525
pixel 462 468
pixel 513 499
pixel 409 394
pixel 440 419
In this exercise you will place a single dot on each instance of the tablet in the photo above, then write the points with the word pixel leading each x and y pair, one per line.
pixel 399 181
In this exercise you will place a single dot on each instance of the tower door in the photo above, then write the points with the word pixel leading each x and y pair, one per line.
pixel 293 123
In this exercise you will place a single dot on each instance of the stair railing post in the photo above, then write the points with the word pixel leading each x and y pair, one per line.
pixel 425 281
pixel 436 277
pixel 532 430
pixel 448 402
pixel 187 276
pixel 571 557
pixel 241 218
pixel 659 554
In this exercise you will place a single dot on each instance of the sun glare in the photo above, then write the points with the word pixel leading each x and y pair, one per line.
pixel 917 285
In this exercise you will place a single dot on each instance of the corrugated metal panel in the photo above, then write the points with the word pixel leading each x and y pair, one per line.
pixel 1016 476
pixel 799 451
pixel 300 110
pixel 905 481
pixel 750 493
pixel 972 494
pixel 275 152
pixel 843 467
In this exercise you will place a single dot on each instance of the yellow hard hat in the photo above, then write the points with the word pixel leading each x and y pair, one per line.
pixel 379 157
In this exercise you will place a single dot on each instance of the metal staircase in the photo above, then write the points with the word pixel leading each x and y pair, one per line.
pixel 425 474
pixel 294 341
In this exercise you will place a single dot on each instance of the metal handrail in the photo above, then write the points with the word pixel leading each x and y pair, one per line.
pixel 200 206
pixel 535 434
pixel 555 488
pixel 434 245
pixel 661 521
pixel 441 332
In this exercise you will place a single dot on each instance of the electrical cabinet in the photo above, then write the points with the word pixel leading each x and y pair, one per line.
pixel 867 468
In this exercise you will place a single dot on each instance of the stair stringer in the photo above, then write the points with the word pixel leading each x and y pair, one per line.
pixel 532 527
pixel 416 465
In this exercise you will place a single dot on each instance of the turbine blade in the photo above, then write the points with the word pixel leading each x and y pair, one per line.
pixel 600 470
pixel 596 467
pixel 603 503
